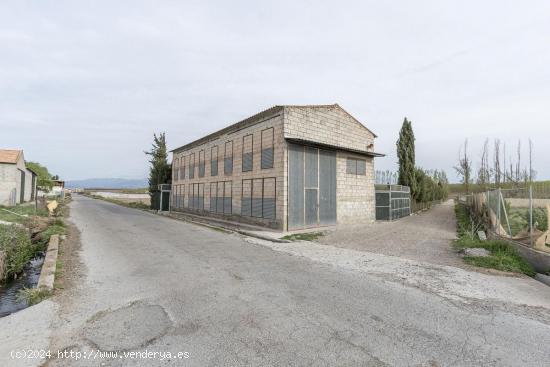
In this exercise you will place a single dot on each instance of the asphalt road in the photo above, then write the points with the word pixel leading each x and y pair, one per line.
pixel 150 283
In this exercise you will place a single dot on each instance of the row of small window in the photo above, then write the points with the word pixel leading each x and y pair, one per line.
pixel 356 166
pixel 257 200
pixel 266 162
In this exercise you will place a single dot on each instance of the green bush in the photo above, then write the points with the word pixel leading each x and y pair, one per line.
pixel 33 296
pixel 50 231
pixel 503 256
pixel 15 242
pixel 540 218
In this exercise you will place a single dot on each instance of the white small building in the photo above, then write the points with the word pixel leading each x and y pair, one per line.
pixel 17 182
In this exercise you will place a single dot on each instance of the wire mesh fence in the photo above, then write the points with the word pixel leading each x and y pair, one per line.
pixel 392 202
pixel 519 214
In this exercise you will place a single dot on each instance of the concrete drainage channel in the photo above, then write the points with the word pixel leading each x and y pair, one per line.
pixel 40 272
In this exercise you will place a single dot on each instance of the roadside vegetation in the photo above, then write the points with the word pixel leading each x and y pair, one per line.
pixel 309 236
pixel 502 255
pixel 25 238
pixel 33 296
pixel 21 213
pixel 129 204
pixel 160 171
pixel 426 186
pixel 143 190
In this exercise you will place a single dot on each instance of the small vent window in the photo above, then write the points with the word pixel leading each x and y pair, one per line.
pixel 201 163
pixel 247 153
pixel 267 148
pixel 228 159
pixel 214 161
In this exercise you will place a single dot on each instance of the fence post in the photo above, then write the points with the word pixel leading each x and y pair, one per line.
pixel 498 212
pixel 531 215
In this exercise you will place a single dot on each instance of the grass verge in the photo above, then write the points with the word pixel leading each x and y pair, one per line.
pixel 7 214
pixel 309 236
pixel 503 256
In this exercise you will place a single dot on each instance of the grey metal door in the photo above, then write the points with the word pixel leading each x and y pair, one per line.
pixel 22 197
pixel 312 187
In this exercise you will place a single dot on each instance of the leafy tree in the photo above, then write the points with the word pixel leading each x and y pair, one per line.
pixel 44 181
pixel 406 157
pixel 160 171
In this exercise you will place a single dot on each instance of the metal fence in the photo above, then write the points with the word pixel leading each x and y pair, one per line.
pixel 392 202
pixel 519 214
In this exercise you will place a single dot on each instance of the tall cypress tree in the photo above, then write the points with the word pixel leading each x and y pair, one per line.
pixel 160 171
pixel 406 158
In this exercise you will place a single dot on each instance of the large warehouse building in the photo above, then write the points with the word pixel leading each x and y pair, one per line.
pixel 288 167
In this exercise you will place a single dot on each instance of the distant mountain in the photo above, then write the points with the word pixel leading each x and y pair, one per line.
pixel 107 183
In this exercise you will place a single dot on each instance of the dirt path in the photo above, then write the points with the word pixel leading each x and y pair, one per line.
pixel 424 237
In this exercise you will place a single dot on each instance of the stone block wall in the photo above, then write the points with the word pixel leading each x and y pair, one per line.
pixel 327 125
pixel 355 197
pixel 274 122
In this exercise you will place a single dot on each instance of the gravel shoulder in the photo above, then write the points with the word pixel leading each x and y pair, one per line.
pixel 424 237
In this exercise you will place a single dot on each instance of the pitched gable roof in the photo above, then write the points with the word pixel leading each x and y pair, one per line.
pixel 257 118
pixel 10 156
pixel 335 105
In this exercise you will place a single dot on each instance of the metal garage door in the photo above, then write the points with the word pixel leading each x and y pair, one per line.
pixel 312 187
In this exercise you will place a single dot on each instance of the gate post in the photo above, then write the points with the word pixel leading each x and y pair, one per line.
pixel 531 215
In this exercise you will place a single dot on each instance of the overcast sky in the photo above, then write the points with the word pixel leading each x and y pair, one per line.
pixel 84 85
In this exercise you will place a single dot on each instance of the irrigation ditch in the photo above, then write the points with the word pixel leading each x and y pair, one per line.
pixel 29 239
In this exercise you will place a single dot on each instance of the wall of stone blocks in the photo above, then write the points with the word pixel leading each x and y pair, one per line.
pixel 276 123
pixel 327 125
pixel 355 197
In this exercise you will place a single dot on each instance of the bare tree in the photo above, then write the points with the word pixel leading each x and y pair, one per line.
pixel 464 168
pixel 504 164
pixel 484 173
pixel 496 162
pixel 518 163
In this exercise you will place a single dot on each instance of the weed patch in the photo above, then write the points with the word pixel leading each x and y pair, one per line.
pixel 33 296
pixel 503 256
pixel 310 236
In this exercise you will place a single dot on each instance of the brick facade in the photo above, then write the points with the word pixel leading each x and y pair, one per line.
pixel 252 185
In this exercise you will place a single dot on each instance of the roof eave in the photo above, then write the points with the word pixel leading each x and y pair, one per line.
pixel 335 147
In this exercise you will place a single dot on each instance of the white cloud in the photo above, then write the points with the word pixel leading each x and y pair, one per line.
pixel 96 79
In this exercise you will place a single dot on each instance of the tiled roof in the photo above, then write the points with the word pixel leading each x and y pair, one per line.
pixel 9 155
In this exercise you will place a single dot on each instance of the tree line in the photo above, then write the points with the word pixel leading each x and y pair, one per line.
pixel 425 185
pixel 496 168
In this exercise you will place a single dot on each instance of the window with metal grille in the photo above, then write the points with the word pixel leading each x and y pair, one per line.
pixel 259 198
pixel 190 197
pixel 247 153
pixel 221 197
pixel 214 161
pixel 213 196
pixel 192 166
pixel 267 148
pixel 178 193
pixel 175 169
pixel 228 159
pixel 201 197
pixel 227 197
pixel 182 196
pixel 356 166
pixel 182 168
pixel 201 163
